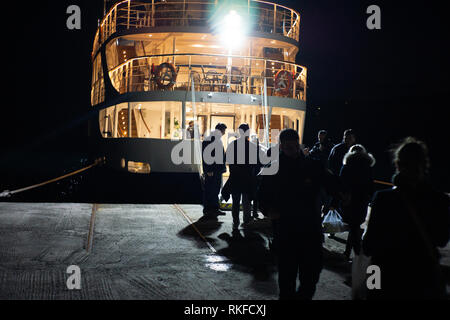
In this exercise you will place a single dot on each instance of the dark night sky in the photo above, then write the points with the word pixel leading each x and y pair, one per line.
pixel 386 84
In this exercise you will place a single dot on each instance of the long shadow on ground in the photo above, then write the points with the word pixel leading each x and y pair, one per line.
pixel 247 251
pixel 206 226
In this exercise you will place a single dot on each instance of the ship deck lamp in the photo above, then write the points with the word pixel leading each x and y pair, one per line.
pixel 233 30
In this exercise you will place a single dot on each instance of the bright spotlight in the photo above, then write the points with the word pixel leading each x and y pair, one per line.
pixel 232 30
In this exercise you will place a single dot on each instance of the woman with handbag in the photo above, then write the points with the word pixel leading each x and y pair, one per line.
pixel 407 224
pixel 357 181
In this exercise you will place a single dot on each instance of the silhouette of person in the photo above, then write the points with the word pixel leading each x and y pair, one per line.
pixel 291 197
pixel 242 174
pixel 405 226
pixel 320 152
pixel 213 171
pixel 338 152
pixel 322 148
pixel 357 181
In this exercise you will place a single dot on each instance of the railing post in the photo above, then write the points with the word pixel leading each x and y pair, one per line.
pixel 292 23
pixel 130 123
pixel 229 66
pixel 131 76
pixel 295 83
pixel 115 19
pixel 128 19
pixel 305 83
pixel 98 84
pixel 153 13
pixel 184 22
pixel 274 18
pixel 109 25
pixel 127 75
pixel 174 49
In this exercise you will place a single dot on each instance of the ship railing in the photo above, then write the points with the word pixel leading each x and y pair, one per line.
pixel 97 92
pixel 211 72
pixel 267 17
pixel 98 87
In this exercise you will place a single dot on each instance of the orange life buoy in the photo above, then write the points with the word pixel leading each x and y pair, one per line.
pixel 283 82
pixel 166 76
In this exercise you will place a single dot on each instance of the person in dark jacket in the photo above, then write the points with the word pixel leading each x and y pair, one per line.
pixel 290 198
pixel 321 150
pixel 357 181
pixel 339 151
pixel 242 157
pixel 213 169
pixel 405 227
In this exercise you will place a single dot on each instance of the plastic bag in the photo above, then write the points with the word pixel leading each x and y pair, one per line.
pixel 332 223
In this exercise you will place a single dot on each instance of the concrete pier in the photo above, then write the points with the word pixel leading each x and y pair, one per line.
pixel 144 252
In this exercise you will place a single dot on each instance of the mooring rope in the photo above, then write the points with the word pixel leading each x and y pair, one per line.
pixel 384 183
pixel 7 193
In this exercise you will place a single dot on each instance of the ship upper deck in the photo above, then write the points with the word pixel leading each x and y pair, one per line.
pixel 265 19
pixel 209 72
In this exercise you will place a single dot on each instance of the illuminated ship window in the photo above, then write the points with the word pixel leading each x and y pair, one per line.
pixel 139 167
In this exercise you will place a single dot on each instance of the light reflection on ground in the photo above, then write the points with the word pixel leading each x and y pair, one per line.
pixel 217 263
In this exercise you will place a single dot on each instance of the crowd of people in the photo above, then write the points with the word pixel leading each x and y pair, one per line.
pixel 404 227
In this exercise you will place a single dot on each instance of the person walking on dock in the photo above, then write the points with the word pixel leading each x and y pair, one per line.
pixel 242 157
pixel 320 152
pixel 291 197
pixel 357 181
pixel 405 227
pixel 213 168
pixel 322 148
pixel 339 151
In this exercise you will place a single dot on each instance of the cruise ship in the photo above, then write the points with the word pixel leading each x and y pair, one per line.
pixel 163 66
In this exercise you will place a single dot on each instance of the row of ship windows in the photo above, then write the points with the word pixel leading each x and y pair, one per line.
pixel 163 120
